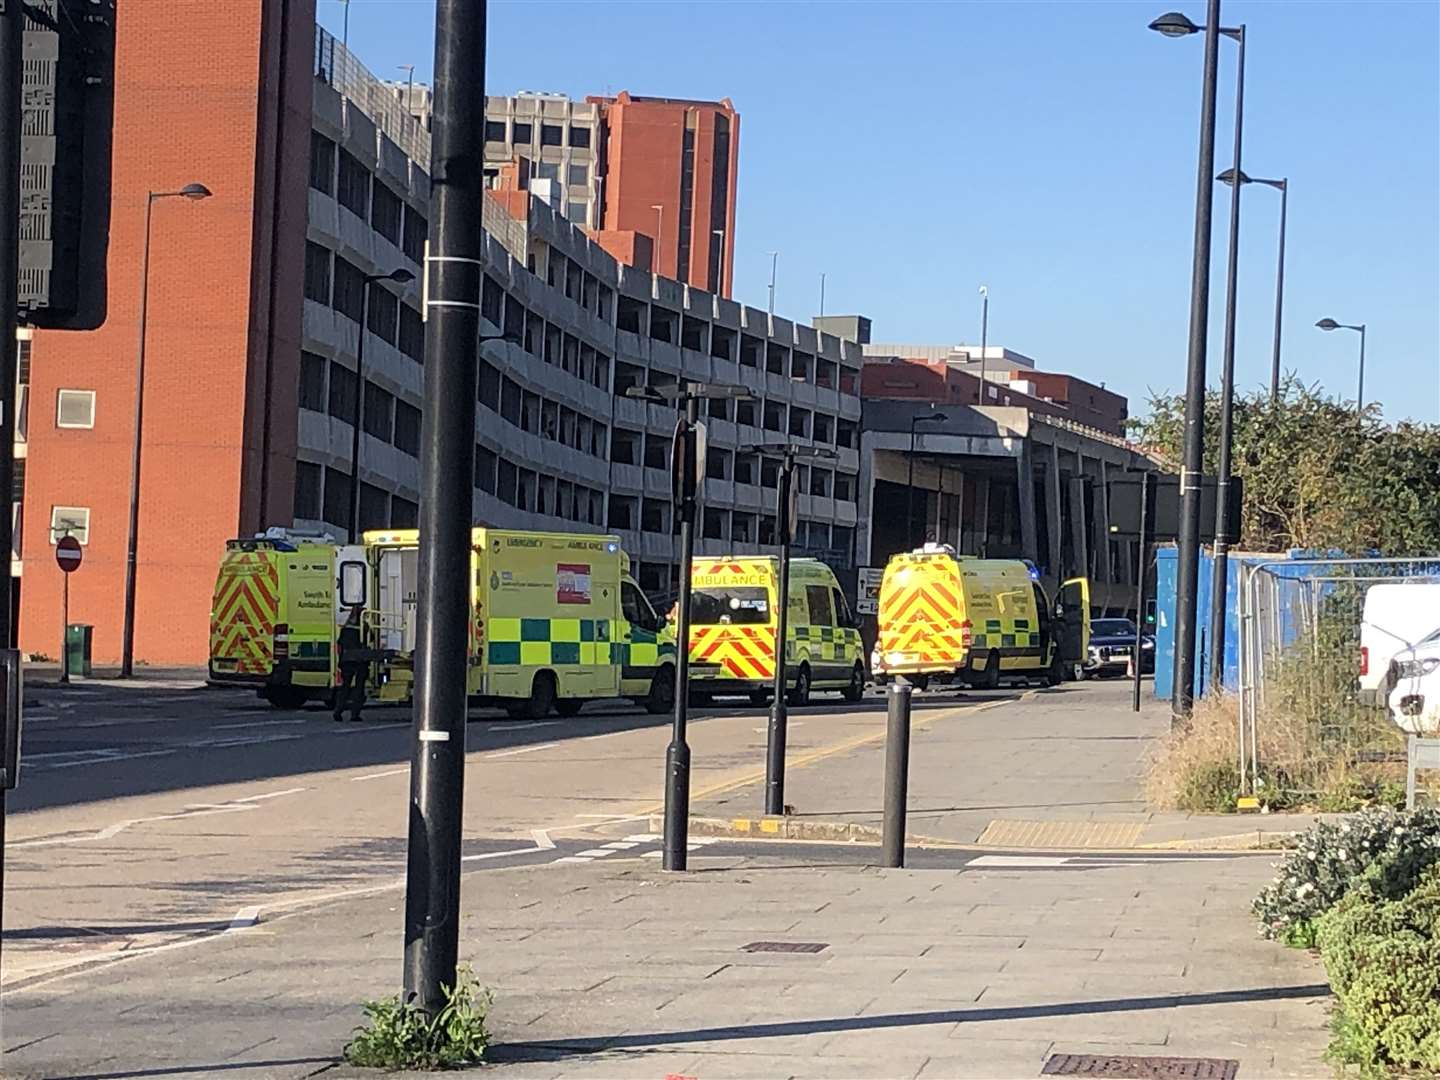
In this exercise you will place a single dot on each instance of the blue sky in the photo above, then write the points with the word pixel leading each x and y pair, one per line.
pixel 912 151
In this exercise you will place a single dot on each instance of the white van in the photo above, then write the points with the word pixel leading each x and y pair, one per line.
pixel 1397 616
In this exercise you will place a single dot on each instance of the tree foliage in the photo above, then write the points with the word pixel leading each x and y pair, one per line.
pixel 1317 476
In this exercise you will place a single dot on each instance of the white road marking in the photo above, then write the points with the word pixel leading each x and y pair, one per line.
pixel 120 826
pixel 378 775
pixel 522 727
pixel 272 795
pixel 703 840
pixel 571 858
pixel 595 853
pixel 1020 860
pixel 652 854
pixel 643 837
pixel 542 839
pixel 520 750
pixel 497 854
pixel 260 723
pixel 622 845
pixel 247 916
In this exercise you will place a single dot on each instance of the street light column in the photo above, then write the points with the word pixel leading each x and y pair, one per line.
pixel 1220 566
pixel 1284 186
pixel 775 743
pixel 1360 391
pixel 357 414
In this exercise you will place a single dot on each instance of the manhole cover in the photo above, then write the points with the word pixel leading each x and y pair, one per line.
pixel 1140 1068
pixel 785 946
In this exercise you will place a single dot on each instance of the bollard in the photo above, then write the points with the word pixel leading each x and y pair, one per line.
pixel 897 774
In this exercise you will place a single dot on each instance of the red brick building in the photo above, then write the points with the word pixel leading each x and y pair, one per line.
pixel 229 107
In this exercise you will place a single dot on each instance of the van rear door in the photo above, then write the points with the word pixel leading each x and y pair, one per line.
pixel 396 585
pixel 1074 619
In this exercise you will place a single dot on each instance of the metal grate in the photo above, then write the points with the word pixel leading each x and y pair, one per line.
pixel 1115 1067
pixel 785 946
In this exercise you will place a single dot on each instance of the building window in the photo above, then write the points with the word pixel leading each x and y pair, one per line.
pixel 416 231
pixel 317 273
pixel 384 311
pixel 336 509
pixel 714 528
pixel 404 514
pixel 820 482
pixel 312 384
pixel 844 487
pixel 70 521
pixel 308 478
pixel 322 163
pixel 579 175
pixel 488 392
pixel 657 451
pixel 342 392
pixel 374 507
pixel 492 299
pixel 576 212
pixel 387 213
pixel 407 429
pixel 379 404
pixel 547 170
pixel 412 334
pixel 495 131
pixel 485 469
pixel 523 133
pixel 349 289
pixel 506 478
pixel 354 188
pixel 550 135
pixel 579 137
pixel 75 409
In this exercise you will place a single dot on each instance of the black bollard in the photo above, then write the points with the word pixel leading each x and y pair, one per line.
pixel 897 774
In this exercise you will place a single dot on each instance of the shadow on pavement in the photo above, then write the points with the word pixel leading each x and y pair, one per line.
pixel 214 1067
pixel 554 1049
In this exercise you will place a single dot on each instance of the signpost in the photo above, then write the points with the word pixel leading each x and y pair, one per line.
pixel 69 554
pixel 867 590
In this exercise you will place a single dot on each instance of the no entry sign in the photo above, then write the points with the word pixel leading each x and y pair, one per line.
pixel 68 554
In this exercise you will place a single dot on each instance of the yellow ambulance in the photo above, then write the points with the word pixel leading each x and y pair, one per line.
pixel 556 621
pixel 732 630
pixel 274 616
pixel 978 621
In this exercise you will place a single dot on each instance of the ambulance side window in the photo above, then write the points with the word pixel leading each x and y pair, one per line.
pixel 630 606
pixel 843 617
pixel 821 612
pixel 1042 609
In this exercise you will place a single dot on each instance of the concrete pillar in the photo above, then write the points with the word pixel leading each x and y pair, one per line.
pixel 980 532
pixel 1025 478
pixel 1079 532
pixel 864 498
pixel 1054 552
pixel 1102 523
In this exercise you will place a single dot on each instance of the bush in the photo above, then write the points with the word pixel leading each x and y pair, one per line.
pixel 1209 788
pixel 1383 961
pixel 1330 858
pixel 401 1036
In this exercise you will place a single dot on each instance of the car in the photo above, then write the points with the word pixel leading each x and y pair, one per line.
pixel 1112 643
pixel 1396 615
pixel 1414 681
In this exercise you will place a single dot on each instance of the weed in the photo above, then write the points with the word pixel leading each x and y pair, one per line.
pixel 399 1035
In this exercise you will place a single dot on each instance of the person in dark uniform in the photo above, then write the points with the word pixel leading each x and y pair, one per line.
pixel 350 694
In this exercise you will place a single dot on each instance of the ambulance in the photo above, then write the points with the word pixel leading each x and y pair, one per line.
pixel 733 623
pixel 978 621
pixel 556 621
pixel 279 599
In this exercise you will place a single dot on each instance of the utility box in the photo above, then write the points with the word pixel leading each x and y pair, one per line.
pixel 77 648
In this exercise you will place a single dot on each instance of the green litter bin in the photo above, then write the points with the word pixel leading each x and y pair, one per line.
pixel 77 647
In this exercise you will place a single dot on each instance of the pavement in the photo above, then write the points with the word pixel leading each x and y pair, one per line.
pixel 213 888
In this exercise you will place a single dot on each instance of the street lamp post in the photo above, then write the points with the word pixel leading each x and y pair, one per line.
pixel 1330 324
pixel 931 418
pixel 774 261
pixel 785 513
pixel 1283 186
pixel 659 209
pixel 687 464
pixel 127 640
pixel 1175 24
pixel 357 414
pixel 984 336
pixel 1220 569
pixel 719 282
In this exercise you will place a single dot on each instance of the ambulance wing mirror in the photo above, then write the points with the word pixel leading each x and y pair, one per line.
pixel 352 584
pixel 11 696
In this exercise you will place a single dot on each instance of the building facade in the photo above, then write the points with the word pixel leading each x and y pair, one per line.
pixel 257 298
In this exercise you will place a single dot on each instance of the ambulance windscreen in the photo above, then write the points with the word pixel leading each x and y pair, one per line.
pixel 729 607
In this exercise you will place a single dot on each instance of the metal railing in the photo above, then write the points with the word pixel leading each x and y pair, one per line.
pixel 1314 714
pixel 337 66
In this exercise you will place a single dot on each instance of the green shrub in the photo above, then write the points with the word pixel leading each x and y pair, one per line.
pixel 1332 857
pixel 1382 957
pixel 1209 788
pixel 401 1036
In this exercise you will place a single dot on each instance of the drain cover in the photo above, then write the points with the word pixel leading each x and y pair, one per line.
pixel 1140 1068
pixel 785 946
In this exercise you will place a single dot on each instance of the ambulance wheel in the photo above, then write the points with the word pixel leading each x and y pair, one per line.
pixel 856 690
pixel 800 692
pixel 661 698
pixel 759 697
pixel 919 682
pixel 285 697
pixel 569 706
pixel 541 700
pixel 991 677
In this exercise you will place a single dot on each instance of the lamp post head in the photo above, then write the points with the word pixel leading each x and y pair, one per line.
pixel 400 276
pixel 1174 24
pixel 1228 177
pixel 1328 324
pixel 196 191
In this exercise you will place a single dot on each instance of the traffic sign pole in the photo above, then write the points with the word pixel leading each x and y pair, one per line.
pixel 65 630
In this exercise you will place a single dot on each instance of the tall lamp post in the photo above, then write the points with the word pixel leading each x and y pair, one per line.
pixel 1283 186
pixel 984 336
pixel 774 262
pixel 719 289
pixel 357 415
pixel 924 418
pixel 785 524
pixel 127 639
pixel 1330 324
pixel 1175 24
pixel 659 209
pixel 687 466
